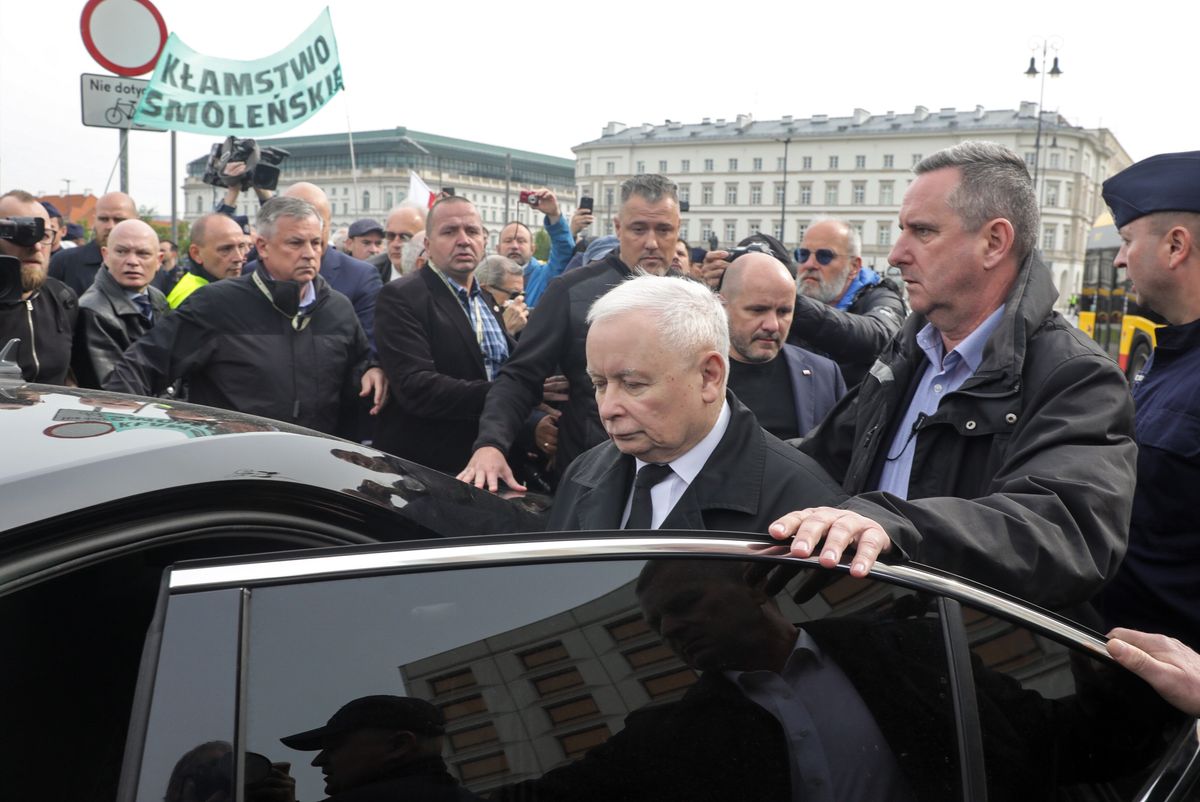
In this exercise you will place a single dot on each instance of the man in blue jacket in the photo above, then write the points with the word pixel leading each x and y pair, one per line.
pixel 516 242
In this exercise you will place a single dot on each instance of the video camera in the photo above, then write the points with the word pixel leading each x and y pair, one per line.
pixel 23 231
pixel 262 164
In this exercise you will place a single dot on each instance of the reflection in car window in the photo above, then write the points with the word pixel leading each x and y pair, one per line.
pixel 1090 729
pixel 604 680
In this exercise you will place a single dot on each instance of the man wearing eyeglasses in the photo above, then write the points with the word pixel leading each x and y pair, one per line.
pixel 43 317
pixel 403 223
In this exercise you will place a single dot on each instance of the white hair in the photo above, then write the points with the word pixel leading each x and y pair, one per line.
pixel 690 317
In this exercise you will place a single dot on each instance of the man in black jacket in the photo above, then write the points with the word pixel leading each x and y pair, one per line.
pixel 44 317
pixel 657 356
pixel 277 342
pixel 992 438
pixel 76 267
pixel 120 306
pixel 647 225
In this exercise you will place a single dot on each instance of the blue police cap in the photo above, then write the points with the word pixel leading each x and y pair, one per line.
pixel 1168 182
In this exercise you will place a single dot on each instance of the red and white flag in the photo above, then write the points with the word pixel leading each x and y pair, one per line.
pixel 418 192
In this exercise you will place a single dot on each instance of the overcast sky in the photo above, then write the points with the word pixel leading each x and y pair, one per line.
pixel 507 74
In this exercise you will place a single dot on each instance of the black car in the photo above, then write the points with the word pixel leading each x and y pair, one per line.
pixel 148 657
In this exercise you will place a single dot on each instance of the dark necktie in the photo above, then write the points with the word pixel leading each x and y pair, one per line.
pixel 142 302
pixel 641 512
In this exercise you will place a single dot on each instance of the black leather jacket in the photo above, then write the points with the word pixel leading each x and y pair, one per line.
pixel 108 324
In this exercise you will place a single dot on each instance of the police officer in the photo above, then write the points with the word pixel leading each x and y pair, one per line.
pixel 1156 208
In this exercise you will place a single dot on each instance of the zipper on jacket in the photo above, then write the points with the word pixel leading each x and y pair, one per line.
pixel 37 367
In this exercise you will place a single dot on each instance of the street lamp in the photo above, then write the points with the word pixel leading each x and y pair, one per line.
pixel 783 197
pixel 1046 45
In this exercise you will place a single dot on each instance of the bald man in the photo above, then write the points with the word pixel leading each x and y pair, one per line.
pixel 45 315
pixel 789 396
pixel 403 224
pixel 352 277
pixel 120 306
pixel 77 267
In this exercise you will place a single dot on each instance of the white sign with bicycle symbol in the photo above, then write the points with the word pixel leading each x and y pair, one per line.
pixel 109 101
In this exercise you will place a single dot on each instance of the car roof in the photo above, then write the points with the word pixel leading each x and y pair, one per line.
pixel 77 449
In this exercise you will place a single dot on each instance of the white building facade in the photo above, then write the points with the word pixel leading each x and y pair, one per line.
pixel 744 176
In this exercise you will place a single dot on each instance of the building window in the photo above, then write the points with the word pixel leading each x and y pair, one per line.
pixel 483 766
pixel 801 230
pixel 649 655
pixel 685 165
pixel 731 194
pixel 684 192
pixel 887 190
pixel 1052 193
pixel 199 204
pixel 465 739
pixel 1071 161
pixel 345 208
pixel 858 193
pixel 857 225
pixel 779 189
pixel 641 167
pixel 587 168
pixel 577 743
pixel 833 162
pixel 731 231
pixel 544 655
pixel 706 234
pixel 1055 161
pixel 366 200
pixel 757 164
pixel 778 232
pixel 708 165
pixel 860 162
pixel 572 710
pixel 756 194
pixel 706 194
pixel 779 163
pixel 610 168
pixel 806 163
pixel 889 161
pixel 1070 196
pixel 883 232
pixel 571 678
pixel 733 165
pixel 831 193
pixel 464 707
pixel 754 227
pixel 683 230
pixel 1031 159
pixel 389 200
pixel 916 159
pixel 662 165
pixel 1067 244
pixel 806 193
pixel 452 682
pixel 1048 235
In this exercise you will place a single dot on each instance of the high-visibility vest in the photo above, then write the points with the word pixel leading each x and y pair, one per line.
pixel 186 286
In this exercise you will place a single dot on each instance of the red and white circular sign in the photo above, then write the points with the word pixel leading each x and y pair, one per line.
pixel 124 36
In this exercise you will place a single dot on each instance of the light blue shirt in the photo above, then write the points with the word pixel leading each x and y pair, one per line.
pixel 943 374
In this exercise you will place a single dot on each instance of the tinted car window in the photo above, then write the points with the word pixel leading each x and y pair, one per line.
pixel 619 679
pixel 190 731
pixel 1086 728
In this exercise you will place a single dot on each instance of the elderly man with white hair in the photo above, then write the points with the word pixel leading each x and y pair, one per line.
pixel 683 452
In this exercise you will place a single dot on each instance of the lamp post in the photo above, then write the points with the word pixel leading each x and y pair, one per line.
pixel 1046 45
pixel 783 197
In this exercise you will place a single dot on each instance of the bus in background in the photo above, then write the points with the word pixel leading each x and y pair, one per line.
pixel 1109 311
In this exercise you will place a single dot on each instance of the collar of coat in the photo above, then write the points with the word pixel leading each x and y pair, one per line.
pixel 121 303
pixel 1029 305
pixel 732 478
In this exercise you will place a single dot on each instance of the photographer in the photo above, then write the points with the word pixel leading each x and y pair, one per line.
pixel 516 242
pixel 35 308
pixel 239 165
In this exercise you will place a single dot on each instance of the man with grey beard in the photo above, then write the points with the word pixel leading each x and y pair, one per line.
pixel 43 316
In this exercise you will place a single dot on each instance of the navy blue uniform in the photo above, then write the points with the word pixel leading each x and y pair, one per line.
pixel 1157 588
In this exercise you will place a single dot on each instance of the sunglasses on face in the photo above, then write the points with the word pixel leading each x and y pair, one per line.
pixel 824 255
pixel 391 235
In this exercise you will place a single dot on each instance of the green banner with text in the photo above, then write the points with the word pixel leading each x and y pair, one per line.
pixel 193 92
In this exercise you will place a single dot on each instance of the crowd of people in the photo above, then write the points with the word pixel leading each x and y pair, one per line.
pixel 957 420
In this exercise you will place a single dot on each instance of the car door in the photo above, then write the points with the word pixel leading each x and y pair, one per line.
pixel 628 668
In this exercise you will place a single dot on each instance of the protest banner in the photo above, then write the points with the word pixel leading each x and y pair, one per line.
pixel 204 95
